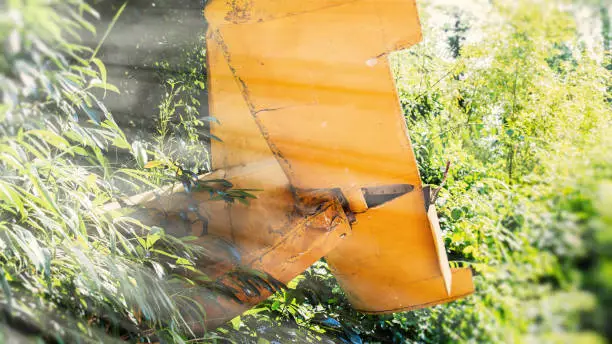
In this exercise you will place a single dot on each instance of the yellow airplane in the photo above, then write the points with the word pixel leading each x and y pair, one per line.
pixel 310 115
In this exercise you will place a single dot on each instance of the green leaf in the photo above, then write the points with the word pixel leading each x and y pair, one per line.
pixel 183 261
pixel 91 180
pixel 46 200
pixel 108 30
pixel 140 153
pixel 50 138
pixel 294 282
pixel 236 323
pixel 79 150
pixel 101 68
pixel 97 83
pixel 11 195
pixel 153 164
pixel 151 240
pixel 456 213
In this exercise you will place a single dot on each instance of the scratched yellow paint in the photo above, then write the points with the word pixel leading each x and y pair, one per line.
pixel 315 79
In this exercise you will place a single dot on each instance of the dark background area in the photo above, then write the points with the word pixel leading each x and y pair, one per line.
pixel 146 34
